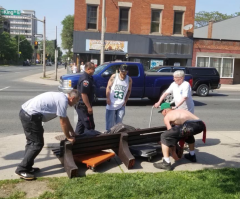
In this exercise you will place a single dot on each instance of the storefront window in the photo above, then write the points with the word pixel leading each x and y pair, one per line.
pixel 227 70
pixel 216 63
pixel 203 62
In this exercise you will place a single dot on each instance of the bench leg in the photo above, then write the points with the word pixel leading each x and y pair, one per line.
pixel 124 153
pixel 69 163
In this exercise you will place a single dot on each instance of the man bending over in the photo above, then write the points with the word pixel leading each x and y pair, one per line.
pixel 185 125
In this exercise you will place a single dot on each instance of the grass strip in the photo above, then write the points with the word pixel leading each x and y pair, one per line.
pixel 209 183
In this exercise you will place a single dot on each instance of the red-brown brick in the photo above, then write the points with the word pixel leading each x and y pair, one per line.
pixel 140 15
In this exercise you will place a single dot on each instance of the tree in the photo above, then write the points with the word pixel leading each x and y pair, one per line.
pixel 24 47
pixel 202 18
pixel 8 47
pixel 67 34
pixel 26 50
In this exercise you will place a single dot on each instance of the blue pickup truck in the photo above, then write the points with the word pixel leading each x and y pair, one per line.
pixel 145 84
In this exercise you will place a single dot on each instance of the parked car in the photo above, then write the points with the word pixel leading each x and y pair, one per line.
pixel 49 64
pixel 204 79
pixel 26 63
pixel 145 84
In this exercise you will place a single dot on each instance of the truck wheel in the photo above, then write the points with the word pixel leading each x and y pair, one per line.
pixel 168 98
pixel 202 90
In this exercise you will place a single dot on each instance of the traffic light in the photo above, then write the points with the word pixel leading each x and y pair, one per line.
pixel 36 45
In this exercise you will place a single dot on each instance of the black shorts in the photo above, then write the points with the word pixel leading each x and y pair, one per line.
pixel 172 136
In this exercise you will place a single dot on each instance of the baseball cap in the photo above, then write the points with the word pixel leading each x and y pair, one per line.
pixel 123 67
pixel 164 106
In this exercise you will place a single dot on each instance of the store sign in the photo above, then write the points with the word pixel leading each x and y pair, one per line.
pixel 114 46
pixel 10 12
pixel 156 62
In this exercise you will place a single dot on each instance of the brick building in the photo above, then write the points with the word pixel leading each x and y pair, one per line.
pixel 148 31
pixel 218 45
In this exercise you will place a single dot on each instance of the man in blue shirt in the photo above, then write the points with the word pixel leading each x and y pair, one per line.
pixel 84 110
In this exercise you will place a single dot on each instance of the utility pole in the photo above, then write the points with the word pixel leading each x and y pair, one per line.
pixel 102 33
pixel 44 47
pixel 56 55
pixel 18 47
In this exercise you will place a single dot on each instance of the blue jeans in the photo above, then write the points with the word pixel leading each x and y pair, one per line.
pixel 114 117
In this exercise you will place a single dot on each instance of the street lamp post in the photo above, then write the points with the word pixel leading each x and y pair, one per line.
pixel 102 32
pixel 44 47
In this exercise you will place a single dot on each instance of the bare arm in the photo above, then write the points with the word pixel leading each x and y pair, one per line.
pixel 66 127
pixel 167 122
pixel 86 102
pixel 129 91
pixel 109 86
pixel 156 105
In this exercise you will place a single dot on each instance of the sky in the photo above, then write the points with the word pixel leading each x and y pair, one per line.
pixel 56 10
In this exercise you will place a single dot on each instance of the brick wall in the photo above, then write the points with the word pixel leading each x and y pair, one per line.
pixel 140 15
pixel 214 46
pixel 226 81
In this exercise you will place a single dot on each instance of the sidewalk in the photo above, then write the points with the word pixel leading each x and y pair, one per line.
pixel 50 77
pixel 227 87
pixel 221 150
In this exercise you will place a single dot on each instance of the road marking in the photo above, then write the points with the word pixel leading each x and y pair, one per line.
pixel 4 88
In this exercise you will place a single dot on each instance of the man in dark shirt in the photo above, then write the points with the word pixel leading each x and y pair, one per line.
pixel 84 110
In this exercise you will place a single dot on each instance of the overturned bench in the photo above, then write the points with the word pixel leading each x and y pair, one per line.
pixel 118 142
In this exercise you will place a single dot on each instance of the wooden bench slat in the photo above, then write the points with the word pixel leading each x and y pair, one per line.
pixel 94 143
pixel 96 148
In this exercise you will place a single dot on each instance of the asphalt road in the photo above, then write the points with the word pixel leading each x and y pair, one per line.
pixel 220 110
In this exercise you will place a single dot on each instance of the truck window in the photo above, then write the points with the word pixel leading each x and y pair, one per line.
pixel 112 69
pixel 133 71
pixel 99 69
pixel 165 70
pixel 205 71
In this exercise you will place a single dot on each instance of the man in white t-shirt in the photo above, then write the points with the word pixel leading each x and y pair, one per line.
pixel 74 68
pixel 82 67
pixel 182 93
pixel 118 91
pixel 43 108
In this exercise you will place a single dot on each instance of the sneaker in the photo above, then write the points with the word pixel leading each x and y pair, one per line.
pixel 163 165
pixel 190 157
pixel 34 169
pixel 25 175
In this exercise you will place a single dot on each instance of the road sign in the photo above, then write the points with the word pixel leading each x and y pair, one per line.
pixel 38 35
pixel 11 12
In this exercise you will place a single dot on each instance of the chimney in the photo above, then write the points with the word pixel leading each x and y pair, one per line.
pixel 210 27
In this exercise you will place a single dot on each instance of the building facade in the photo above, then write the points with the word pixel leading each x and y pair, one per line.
pixel 23 24
pixel 218 45
pixel 153 32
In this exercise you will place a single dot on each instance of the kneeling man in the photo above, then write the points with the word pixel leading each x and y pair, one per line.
pixel 185 125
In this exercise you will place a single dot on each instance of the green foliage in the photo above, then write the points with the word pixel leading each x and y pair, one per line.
pixel 50 51
pixel 8 47
pixel 67 34
pixel 212 183
pixel 202 18
pixel 25 48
